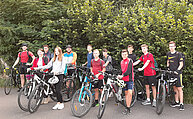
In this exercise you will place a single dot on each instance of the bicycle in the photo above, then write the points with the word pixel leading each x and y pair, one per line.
pixel 12 80
pixel 69 83
pixel 138 82
pixel 115 85
pixel 164 89
pixel 23 96
pixel 83 98
pixel 42 89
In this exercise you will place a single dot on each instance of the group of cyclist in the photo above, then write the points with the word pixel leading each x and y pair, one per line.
pixel 56 63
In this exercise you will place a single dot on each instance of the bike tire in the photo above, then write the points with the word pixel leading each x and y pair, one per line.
pixel 77 107
pixel 37 95
pixel 67 89
pixel 102 104
pixel 161 97
pixel 8 85
pixel 23 96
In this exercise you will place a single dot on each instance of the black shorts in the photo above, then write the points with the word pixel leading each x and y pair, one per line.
pixel 150 80
pixel 98 84
pixel 23 69
pixel 178 82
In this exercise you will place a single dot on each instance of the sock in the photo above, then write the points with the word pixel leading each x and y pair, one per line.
pixel 177 101
pixel 148 99
pixel 154 100
pixel 182 103
pixel 96 101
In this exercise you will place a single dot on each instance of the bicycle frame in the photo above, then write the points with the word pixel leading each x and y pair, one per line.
pixel 85 85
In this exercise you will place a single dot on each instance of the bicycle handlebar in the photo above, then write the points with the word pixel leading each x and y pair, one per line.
pixel 165 71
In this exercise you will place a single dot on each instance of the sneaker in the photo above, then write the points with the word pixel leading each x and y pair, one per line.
pixel 154 104
pixel 19 90
pixel 146 102
pixel 181 107
pixel 126 111
pixel 175 104
pixel 56 106
pixel 61 106
pixel 95 104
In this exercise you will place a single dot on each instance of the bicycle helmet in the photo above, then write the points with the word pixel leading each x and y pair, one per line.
pixel 53 80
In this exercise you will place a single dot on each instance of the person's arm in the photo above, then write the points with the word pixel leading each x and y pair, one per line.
pixel 109 59
pixel 16 62
pixel 85 63
pixel 74 58
pixel 33 58
pixel 129 69
pixel 168 64
pixel 49 65
pixel 181 62
pixel 144 66
pixel 180 66
pixel 63 64
pixel 136 63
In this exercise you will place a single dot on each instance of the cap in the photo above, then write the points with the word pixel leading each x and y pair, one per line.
pixel 68 46
pixel 24 44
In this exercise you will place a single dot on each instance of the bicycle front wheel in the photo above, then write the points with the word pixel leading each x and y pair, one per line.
pixel 35 99
pixel 8 85
pixel 81 102
pixel 23 96
pixel 102 103
pixel 67 90
pixel 161 97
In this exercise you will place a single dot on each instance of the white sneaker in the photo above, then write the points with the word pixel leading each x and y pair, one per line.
pixel 56 106
pixel 61 106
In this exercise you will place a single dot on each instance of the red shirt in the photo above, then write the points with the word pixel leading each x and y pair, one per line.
pixel 148 71
pixel 97 66
pixel 127 69
pixel 24 57
pixel 35 63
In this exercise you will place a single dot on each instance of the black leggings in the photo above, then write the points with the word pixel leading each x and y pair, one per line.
pixel 58 88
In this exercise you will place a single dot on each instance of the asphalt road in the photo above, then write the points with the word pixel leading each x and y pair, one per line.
pixel 9 109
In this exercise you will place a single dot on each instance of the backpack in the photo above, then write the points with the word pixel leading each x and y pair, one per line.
pixel 29 57
pixel 155 62
pixel 183 56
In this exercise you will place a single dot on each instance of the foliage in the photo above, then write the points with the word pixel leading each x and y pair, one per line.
pixel 102 23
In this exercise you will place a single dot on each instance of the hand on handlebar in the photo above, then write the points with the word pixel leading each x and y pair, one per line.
pixel 140 69
pixel 28 69
pixel 120 76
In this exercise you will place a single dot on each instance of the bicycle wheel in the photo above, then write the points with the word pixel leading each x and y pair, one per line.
pixel 35 99
pixel 171 95
pixel 23 96
pixel 67 89
pixel 102 103
pixel 160 101
pixel 81 102
pixel 8 85
pixel 134 96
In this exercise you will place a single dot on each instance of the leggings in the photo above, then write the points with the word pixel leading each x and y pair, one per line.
pixel 58 88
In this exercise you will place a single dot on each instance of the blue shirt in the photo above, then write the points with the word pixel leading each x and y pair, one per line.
pixel 89 58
